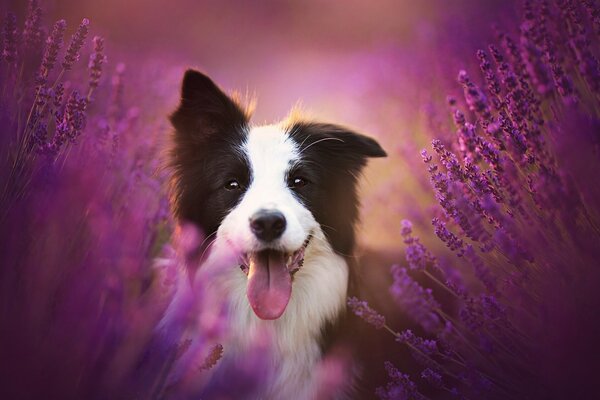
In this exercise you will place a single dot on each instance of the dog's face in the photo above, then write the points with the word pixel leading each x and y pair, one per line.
pixel 265 191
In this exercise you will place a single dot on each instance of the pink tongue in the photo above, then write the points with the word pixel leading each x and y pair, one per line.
pixel 269 284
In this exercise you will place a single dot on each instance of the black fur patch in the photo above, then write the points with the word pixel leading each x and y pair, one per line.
pixel 209 125
pixel 331 160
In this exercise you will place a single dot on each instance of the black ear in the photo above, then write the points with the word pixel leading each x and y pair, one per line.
pixel 361 144
pixel 204 108
pixel 335 140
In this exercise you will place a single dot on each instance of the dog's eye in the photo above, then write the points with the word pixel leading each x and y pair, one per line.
pixel 233 185
pixel 298 182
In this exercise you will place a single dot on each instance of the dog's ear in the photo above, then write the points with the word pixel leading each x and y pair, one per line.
pixel 336 141
pixel 358 143
pixel 205 109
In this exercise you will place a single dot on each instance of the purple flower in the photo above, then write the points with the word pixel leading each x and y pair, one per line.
pixel 490 78
pixel 75 115
pixel 416 302
pixel 71 122
pixel 400 387
pixel 59 91
pixel 451 240
pixel 593 13
pixel 95 64
pixel 489 153
pixel 426 346
pixel 39 138
pixel 531 100
pixel 562 81
pixel 471 317
pixel 532 45
pixel 448 160
pixel 10 34
pixel 476 99
pixel 432 378
pixel 116 98
pixel 72 54
pixel 417 256
pixel 362 310
pixel 580 44
pixel 32 32
pixel 406 225
pixel 467 137
pixel 509 80
pixel 53 45
pixel 480 183
pixel 492 309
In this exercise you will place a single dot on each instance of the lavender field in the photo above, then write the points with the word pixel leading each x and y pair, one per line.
pixel 480 234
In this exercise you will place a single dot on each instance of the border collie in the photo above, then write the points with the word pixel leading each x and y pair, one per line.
pixel 279 204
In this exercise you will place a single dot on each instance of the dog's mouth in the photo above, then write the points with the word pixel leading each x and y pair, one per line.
pixel 270 273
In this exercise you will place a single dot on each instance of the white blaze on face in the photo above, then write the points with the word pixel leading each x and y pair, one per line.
pixel 270 152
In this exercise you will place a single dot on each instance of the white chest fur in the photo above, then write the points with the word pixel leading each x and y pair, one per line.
pixel 318 296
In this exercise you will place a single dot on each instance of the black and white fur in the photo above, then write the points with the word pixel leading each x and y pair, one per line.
pixel 225 171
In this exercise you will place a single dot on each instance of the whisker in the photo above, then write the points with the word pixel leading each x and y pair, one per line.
pixel 206 238
pixel 205 249
pixel 319 141
pixel 329 227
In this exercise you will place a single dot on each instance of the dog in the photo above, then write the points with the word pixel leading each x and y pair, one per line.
pixel 278 205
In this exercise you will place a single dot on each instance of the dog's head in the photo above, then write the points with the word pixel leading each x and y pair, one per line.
pixel 267 190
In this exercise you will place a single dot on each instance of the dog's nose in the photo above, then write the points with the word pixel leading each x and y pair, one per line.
pixel 267 225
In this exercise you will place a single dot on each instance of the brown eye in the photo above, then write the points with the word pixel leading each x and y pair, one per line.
pixel 232 185
pixel 298 182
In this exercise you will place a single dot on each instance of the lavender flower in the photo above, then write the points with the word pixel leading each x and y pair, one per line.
pixel 72 54
pixel 490 78
pixel 562 81
pixel 492 309
pixel 476 99
pixel 69 123
pixel 75 114
pixel 532 47
pixel 432 377
pixel 426 346
pixel 400 386
pixel 580 44
pixel 95 64
pixel 416 302
pixel 32 32
pixel 593 12
pixel 9 33
pixel 38 140
pixel 451 240
pixel 59 92
pixel 471 316
pixel 53 45
pixel 417 256
pixel 467 137
pixel 362 310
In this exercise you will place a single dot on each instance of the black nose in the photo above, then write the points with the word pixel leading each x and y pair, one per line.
pixel 267 225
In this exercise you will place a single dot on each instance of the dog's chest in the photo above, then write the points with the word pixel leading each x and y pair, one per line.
pixel 289 346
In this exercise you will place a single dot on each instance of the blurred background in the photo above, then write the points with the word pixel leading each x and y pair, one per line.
pixel 380 67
